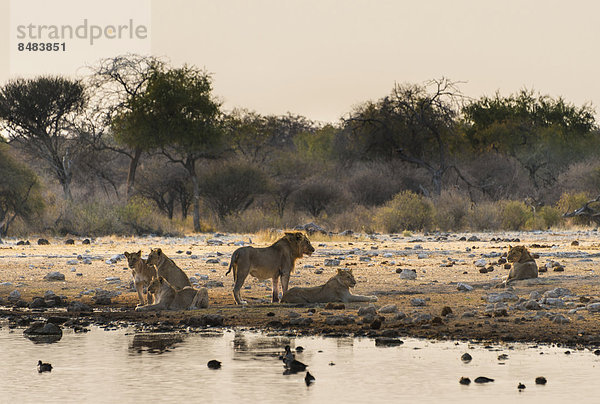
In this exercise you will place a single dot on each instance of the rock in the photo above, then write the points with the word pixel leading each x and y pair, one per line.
pixel 559 268
pixel 43 241
pixel 78 307
pixel 14 296
pixel 465 380
pixel 375 324
pixel 102 297
pixel 367 310
pixel 501 297
pixel 86 241
pixel 214 241
pixel 480 263
pixel 213 320
pixel 43 332
pixel 335 306
pixel 37 303
pixel 213 284
pixel 5 283
pixel 87 261
pixel 417 302
pixel 463 287
pixel 112 279
pixel 387 341
pixel 69 241
pixel 561 319
pixel 214 364
pixel 593 307
pixel 400 316
pixel 114 259
pixel 301 321
pixel 364 259
pixel 311 228
pixel 72 262
pixel 339 320
pixel 531 305
pixel 483 379
pixel 446 310
pixel 408 274
pixel 540 380
pixel 554 302
pixel 483 270
pixel 22 242
pixel 575 242
pixel 466 357
pixel 390 308
pixel 331 262
pixel 54 276
pixel 212 261
pixel 535 295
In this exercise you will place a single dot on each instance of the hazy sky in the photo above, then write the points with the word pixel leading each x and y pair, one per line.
pixel 318 58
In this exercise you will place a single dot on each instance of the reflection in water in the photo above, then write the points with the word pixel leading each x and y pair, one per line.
pixel 106 367
pixel 154 342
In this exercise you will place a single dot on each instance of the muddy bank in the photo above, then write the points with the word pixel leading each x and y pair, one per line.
pixel 448 297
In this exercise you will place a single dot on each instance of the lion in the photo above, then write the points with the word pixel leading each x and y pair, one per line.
pixel 336 289
pixel 276 261
pixel 168 297
pixel 524 266
pixel 168 269
pixel 142 274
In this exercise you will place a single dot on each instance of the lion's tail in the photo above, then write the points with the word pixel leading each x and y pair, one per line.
pixel 233 265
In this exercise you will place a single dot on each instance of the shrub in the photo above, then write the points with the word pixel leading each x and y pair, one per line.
pixel 406 211
pixel 358 219
pixel 569 202
pixel 551 216
pixel 316 197
pixel 252 220
pixel 484 216
pixel 372 188
pixel 451 210
pixel 231 189
pixel 514 215
pixel 140 217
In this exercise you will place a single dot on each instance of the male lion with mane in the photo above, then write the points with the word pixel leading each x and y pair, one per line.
pixel 276 261
pixel 169 298
pixel 167 269
pixel 336 289
pixel 142 274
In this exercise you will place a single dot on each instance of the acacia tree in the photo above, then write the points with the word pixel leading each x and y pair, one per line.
pixel 177 114
pixel 415 123
pixel 19 191
pixel 117 82
pixel 542 133
pixel 38 114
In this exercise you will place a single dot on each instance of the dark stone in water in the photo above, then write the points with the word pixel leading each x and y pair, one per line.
pixel 43 332
pixel 483 379
pixel 214 320
pixel 597 352
pixel 389 333
pixel 214 364
pixel 77 306
pixel 37 303
pixel 465 380
pixel 385 341
pixel 299 349
pixel 540 380
pixel 466 357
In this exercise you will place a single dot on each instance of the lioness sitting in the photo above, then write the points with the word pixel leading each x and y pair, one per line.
pixel 142 274
pixel 273 262
pixel 167 268
pixel 336 289
pixel 524 266
pixel 169 298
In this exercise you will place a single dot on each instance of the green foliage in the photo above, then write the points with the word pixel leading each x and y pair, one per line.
pixel 20 195
pixel 231 189
pixel 550 215
pixel 317 145
pixel 570 202
pixel 485 216
pixel 406 211
pixel 514 215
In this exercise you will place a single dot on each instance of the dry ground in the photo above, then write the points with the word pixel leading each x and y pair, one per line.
pixel 374 260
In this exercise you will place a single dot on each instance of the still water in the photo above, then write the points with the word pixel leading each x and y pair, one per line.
pixel 125 366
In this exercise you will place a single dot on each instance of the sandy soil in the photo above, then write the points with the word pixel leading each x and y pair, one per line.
pixel 441 261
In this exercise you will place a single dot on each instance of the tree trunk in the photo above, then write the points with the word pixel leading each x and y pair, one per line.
pixel 133 163
pixel 196 190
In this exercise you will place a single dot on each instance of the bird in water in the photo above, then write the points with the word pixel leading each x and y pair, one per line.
pixel 308 379
pixel 290 361
pixel 214 364
pixel 44 367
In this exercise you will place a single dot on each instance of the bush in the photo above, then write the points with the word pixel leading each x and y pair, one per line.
pixel 514 215
pixel 358 219
pixel 316 197
pixel 231 189
pixel 484 216
pixel 551 216
pixel 569 202
pixel 252 220
pixel 372 188
pixel 406 211
pixel 451 210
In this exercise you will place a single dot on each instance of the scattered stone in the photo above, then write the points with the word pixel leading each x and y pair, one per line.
pixel 530 305
pixel 483 270
pixel 575 242
pixel 212 261
pixel 561 319
pixel 540 380
pixel 480 263
pixel 213 320
pixel 86 241
pixel 69 241
pixel 335 306
pixel 214 242
pixel 214 364
pixel 78 307
pixel 463 287
pixel 466 357
pixel 302 321
pixel 311 228
pixel 14 296
pixel 417 302
pixel 446 310
pixel 375 324
pixel 473 238
pixel 331 262
pixel 115 258
pixel 483 379
pixel 214 284
pixel 559 268
pixel 43 332
pixel 43 241
pixel 408 274
pixel 54 276
pixel 22 242
pixel 593 307
pixel 465 380
pixel 390 308
pixel 500 297
pixel 339 320
pixel 367 310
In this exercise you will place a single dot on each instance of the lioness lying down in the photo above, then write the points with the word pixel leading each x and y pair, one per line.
pixel 524 266
pixel 276 261
pixel 336 289
pixel 169 298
